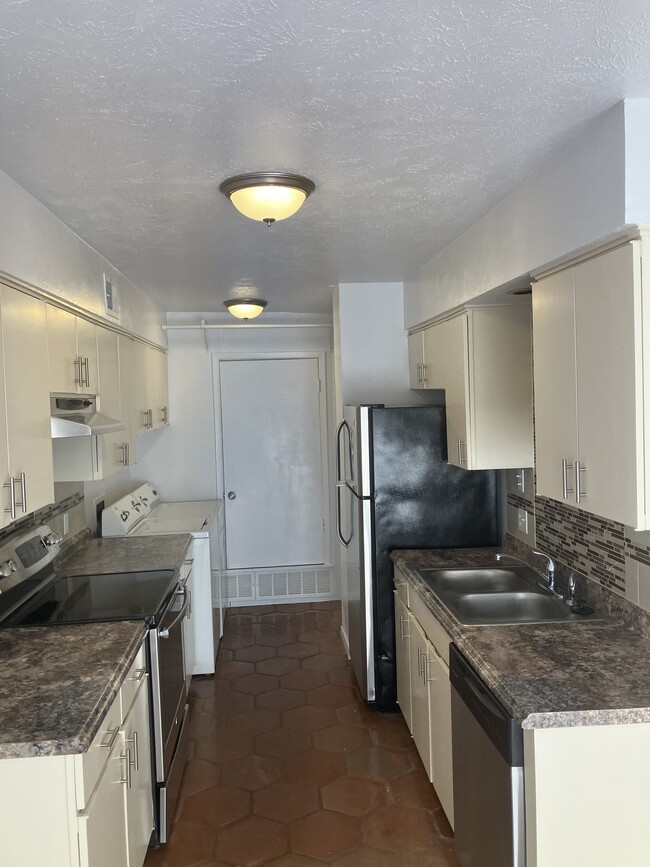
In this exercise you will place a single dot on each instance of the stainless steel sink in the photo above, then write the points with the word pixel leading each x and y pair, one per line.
pixel 480 580
pixel 487 595
pixel 523 607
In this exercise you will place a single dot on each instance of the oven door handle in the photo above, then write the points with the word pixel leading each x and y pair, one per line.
pixel 164 633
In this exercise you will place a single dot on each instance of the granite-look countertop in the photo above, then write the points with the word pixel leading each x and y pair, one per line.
pixel 131 554
pixel 546 675
pixel 58 682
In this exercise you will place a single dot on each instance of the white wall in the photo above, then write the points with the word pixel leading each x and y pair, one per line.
pixel 372 346
pixel 575 199
pixel 637 160
pixel 38 249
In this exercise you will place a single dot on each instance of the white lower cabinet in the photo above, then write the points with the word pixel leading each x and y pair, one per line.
pixel 189 637
pixel 93 809
pixel 423 687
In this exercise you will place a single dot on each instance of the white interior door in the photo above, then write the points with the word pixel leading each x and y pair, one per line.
pixel 273 464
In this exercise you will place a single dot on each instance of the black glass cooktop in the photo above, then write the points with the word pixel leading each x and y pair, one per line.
pixel 96 599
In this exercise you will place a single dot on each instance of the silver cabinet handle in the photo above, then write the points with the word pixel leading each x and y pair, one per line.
pixel 85 365
pixel 11 484
pixel 138 674
pixel 113 734
pixel 461 444
pixel 580 494
pixel 424 374
pixel 77 371
pixel 128 454
pixel 163 414
pixel 428 677
pixel 403 620
pixel 421 656
pixel 23 503
pixel 136 751
pixel 150 419
pixel 566 490
pixel 126 758
pixel 419 376
pixel 145 423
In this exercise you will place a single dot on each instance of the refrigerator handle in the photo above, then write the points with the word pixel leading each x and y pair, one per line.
pixel 340 483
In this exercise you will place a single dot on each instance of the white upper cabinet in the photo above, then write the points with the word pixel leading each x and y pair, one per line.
pixel 157 390
pixel 589 385
pixel 481 357
pixel 416 360
pixel 72 353
pixel 25 435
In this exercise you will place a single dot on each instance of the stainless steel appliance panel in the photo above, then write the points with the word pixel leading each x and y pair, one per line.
pixel 489 821
pixel 168 791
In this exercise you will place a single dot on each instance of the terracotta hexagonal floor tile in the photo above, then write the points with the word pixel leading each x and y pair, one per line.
pixel 379 763
pixel 310 635
pixel 274 638
pixel 309 718
pixel 304 680
pixel 352 796
pixel 229 704
pixel 286 802
pixel 251 772
pixel 368 857
pixel 278 618
pixel 254 653
pixel 252 841
pixel 325 835
pixel 280 699
pixel 199 775
pixel 187 846
pixel 392 732
pixel 202 725
pixel 358 714
pixel 294 861
pixel 314 766
pixel 231 670
pixel 278 666
pixel 293 607
pixel 341 739
pixel 204 687
pixel 331 696
pixel 399 829
pixel 299 650
pixel 224 746
pixel 442 824
pixel 282 743
pixel 216 807
pixel 234 641
pixel 254 721
pixel 413 789
pixel 342 676
pixel 324 662
pixel 255 684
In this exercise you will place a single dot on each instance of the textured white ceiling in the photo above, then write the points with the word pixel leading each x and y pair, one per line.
pixel 413 117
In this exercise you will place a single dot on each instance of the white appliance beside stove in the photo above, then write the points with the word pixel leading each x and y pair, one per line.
pixel 141 513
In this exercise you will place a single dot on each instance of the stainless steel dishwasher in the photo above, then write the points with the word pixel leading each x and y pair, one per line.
pixel 489 821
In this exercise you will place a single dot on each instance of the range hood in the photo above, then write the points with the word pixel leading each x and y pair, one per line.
pixel 74 416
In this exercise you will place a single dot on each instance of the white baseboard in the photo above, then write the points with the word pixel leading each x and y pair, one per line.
pixel 346 642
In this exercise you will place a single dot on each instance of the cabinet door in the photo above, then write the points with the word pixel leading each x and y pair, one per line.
pixel 29 439
pixel 610 385
pixel 402 660
pixel 157 386
pixel 102 826
pixel 556 433
pixel 63 361
pixel 416 360
pixel 419 693
pixel 437 675
pixel 5 517
pixel 454 348
pixel 87 352
pixel 435 361
pixel 131 393
pixel 138 791
pixel 109 401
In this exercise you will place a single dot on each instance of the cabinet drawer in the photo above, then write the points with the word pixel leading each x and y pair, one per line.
pixel 401 586
pixel 136 674
pixel 434 631
pixel 90 765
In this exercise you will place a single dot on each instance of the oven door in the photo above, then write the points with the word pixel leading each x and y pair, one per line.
pixel 168 680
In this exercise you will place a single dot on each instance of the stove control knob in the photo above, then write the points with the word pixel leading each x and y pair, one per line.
pixel 51 540
pixel 124 516
pixel 7 568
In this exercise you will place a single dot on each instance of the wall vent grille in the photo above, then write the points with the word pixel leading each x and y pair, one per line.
pixel 275 584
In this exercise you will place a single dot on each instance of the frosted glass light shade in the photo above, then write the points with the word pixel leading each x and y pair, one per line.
pixel 267 196
pixel 245 308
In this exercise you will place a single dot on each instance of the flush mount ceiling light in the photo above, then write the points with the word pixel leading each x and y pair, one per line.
pixel 245 308
pixel 267 196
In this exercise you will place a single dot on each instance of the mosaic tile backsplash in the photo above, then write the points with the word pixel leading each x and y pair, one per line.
pixel 52 515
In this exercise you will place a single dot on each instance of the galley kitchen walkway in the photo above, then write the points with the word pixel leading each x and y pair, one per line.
pixel 288 767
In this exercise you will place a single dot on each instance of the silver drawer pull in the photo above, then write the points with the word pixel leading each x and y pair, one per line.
pixel 580 494
pixel 113 735
pixel 428 677
pixel 138 674
pixel 134 741
pixel 126 758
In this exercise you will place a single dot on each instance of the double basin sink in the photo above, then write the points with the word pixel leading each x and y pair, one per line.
pixel 486 595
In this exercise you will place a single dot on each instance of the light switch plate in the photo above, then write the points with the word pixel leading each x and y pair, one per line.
pixel 522 520
pixel 521 482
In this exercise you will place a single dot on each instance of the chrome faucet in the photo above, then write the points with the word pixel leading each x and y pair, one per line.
pixel 500 557
pixel 550 570
pixel 548 576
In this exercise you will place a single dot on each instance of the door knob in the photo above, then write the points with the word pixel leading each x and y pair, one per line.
pixel 232 495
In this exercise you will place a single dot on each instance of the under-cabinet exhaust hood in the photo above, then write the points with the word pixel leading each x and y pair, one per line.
pixel 74 416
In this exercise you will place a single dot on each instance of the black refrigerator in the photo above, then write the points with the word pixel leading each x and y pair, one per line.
pixel 396 490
